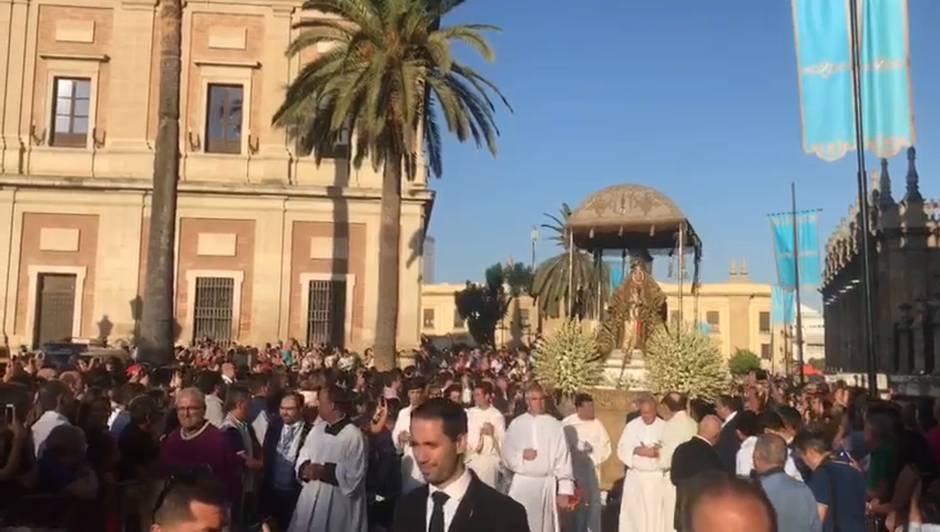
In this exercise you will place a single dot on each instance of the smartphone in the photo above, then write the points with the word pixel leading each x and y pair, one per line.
pixel 9 414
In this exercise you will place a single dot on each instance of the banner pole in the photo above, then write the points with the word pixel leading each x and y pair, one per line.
pixel 863 204
pixel 796 279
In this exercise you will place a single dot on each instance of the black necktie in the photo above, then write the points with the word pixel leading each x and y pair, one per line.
pixel 437 514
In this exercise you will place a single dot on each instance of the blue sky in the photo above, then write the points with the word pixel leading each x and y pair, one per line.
pixel 697 99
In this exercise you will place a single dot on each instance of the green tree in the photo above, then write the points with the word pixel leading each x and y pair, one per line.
pixel 550 283
pixel 388 76
pixel 157 322
pixel 743 362
pixel 483 306
pixel 685 360
pixel 519 278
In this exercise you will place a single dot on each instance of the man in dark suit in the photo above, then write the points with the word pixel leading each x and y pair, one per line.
pixel 282 442
pixel 454 499
pixel 693 458
pixel 727 408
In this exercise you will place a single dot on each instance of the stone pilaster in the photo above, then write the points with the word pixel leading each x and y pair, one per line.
pixel 14 22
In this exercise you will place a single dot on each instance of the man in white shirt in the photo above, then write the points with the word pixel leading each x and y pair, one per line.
pixel 486 430
pixel 454 497
pixel 210 384
pixel 748 430
pixel 410 474
pixel 679 428
pixel 56 400
pixel 589 444
pixel 641 507
pixel 536 452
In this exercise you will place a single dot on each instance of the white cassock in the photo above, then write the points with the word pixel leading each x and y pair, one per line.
pixel 534 482
pixel 323 507
pixel 485 463
pixel 589 444
pixel 411 476
pixel 679 429
pixel 641 506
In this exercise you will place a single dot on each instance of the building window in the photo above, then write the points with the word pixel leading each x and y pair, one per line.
pixel 72 97
pixel 428 318
pixel 765 351
pixel 458 320
pixel 326 314
pixel 765 322
pixel 713 321
pixel 524 318
pixel 224 119
pixel 212 315
pixel 340 149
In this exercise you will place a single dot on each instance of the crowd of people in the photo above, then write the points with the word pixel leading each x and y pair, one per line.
pixel 291 438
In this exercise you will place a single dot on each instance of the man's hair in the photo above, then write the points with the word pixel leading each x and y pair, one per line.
pixel 747 423
pixel 451 415
pixel 770 421
pixel 195 393
pixel 390 377
pixel 533 387
pixel 675 401
pixel 415 383
pixel 51 393
pixel 486 386
pixel 581 398
pixel 236 394
pixel 173 507
pixel 143 409
pixel 296 396
pixel 258 382
pixel 812 438
pixel 453 388
pixel 714 485
pixel 728 401
pixel 208 381
pixel 772 448
pixel 791 417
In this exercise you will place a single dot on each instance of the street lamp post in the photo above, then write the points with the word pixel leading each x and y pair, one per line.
pixel 534 236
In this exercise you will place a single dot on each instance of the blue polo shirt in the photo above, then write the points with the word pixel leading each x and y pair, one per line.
pixel 841 487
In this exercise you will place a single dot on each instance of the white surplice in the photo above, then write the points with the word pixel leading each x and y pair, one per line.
pixel 411 477
pixel 679 429
pixel 485 463
pixel 641 506
pixel 323 507
pixel 589 445
pixel 535 482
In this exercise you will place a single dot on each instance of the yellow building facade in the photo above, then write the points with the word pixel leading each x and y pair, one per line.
pixel 269 245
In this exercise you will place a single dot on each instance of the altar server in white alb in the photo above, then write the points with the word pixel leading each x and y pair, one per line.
pixel 589 444
pixel 486 431
pixel 536 451
pixel 411 477
pixel 331 467
pixel 641 507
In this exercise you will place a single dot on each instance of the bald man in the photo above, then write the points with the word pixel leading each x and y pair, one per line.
pixel 723 503
pixel 693 458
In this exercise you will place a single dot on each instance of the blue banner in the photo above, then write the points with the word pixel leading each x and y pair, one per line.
pixel 824 66
pixel 616 275
pixel 781 306
pixel 807 225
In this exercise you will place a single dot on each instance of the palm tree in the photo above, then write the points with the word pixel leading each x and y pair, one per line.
pixel 388 75
pixel 550 284
pixel 157 323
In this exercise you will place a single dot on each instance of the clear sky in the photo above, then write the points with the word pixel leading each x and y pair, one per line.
pixel 697 99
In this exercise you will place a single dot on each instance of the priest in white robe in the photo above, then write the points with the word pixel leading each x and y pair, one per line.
pixel 641 507
pixel 486 429
pixel 536 452
pixel 679 428
pixel 589 445
pixel 411 477
pixel 331 467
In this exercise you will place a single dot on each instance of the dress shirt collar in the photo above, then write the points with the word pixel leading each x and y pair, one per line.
pixel 52 416
pixel 730 417
pixel 703 439
pixel 456 489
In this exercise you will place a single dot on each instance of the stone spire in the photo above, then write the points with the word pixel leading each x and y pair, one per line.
pixel 913 188
pixel 734 269
pixel 884 185
pixel 744 267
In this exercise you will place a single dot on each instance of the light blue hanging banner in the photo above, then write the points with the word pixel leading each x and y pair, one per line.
pixel 781 306
pixel 824 66
pixel 807 225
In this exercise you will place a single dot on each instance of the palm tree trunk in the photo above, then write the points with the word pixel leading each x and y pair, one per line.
pixel 386 326
pixel 157 324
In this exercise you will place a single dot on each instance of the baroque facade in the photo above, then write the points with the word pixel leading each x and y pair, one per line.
pixel 905 259
pixel 269 244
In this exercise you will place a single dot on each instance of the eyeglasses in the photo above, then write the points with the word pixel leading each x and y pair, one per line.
pixel 187 477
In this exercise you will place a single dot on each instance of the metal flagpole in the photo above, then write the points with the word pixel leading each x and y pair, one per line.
pixel 863 203
pixel 570 273
pixel 681 274
pixel 796 279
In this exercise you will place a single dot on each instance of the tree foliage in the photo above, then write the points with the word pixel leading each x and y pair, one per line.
pixel 550 285
pixel 687 361
pixel 568 360
pixel 483 306
pixel 743 362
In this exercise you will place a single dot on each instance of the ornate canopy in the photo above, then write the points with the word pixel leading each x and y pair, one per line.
pixel 631 217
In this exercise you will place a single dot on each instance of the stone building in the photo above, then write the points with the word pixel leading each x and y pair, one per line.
pixel 906 265
pixel 269 245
